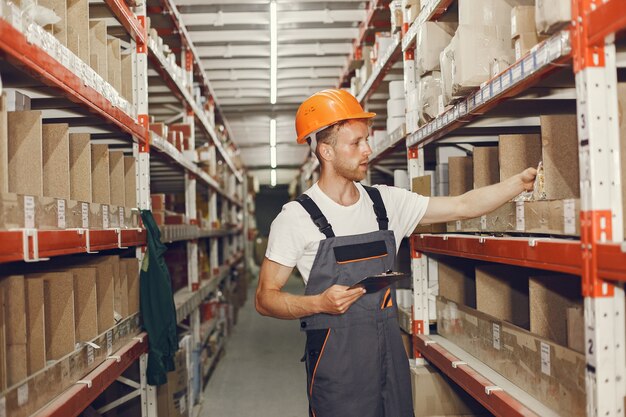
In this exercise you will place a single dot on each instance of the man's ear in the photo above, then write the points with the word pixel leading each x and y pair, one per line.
pixel 325 151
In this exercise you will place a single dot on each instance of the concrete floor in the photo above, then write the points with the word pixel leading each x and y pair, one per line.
pixel 261 374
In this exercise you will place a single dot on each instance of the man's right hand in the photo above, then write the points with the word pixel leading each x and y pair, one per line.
pixel 338 299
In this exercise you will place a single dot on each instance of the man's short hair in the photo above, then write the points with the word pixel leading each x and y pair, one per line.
pixel 328 135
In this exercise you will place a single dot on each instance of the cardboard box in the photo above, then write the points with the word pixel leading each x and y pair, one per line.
pixel 524 42
pixel 130 182
pixel 78 29
pixel 576 329
pixel 486 166
pixel 457 280
pixel 3 358
pixel 421 185
pixel 24 151
pixel 522 20
pixel 59 29
pixel 550 298
pixel 117 178
pixel 35 324
pixel 100 177
pixel 559 138
pixel 502 291
pixel 4 142
pixel 461 174
pixel 127 77
pixel 553 374
pixel 98 47
pixel 158 202
pixel 431 40
pixel 56 160
pixel 500 220
pixel 160 129
pixel 434 394
pixel 58 289
pixel 105 290
pixel 85 303
pixel 518 152
pixel 80 167
pixel 114 64
pixel 132 277
pixel 14 311
pixel 557 217
pixel 185 131
pixel 552 15
pixel 172 397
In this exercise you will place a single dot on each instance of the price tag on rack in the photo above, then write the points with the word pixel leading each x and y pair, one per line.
pixel 545 358
pixel 483 222
pixel 520 224
pixel 61 224
pixel 516 73
pixel 496 336
pixel 29 212
pixel 91 355
pixel 105 216
pixel 109 342
pixel 121 214
pixel 458 225
pixel 569 217
pixel 22 395
pixel 85 215
pixel 3 400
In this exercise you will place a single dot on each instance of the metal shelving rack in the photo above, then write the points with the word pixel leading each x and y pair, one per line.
pixel 93 370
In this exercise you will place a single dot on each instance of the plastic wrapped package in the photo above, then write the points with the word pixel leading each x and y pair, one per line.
pixel 428 92
pixel 485 12
pixel 431 39
pixel 552 15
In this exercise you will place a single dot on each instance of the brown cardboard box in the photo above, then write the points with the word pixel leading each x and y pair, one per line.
pixel 457 280
pixel 4 151
pixel 59 29
pixel 550 297
pixel 522 20
pixel 500 220
pixel 421 185
pixel 170 395
pixel 114 64
pixel 117 180
pixel 58 289
pixel 127 77
pixel 486 168
pixel 131 266
pixel 553 374
pixel 158 202
pixel 98 47
pixel 524 42
pixel 105 290
pixel 85 303
pixel 558 217
pixel 24 150
pixel 185 130
pixel 36 324
pixel 11 211
pixel 434 394
pixel 14 306
pixel 160 129
pixel 559 139
pixel 3 357
pixel 78 29
pixel 518 152
pixel 130 182
pixel 56 160
pixel 576 329
pixel 80 167
pixel 502 291
pixel 100 179
pixel 461 174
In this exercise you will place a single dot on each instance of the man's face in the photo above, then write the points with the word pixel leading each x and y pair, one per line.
pixel 352 151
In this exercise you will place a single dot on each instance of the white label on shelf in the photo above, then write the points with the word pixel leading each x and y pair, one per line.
pixel 121 214
pixel 22 395
pixel 3 407
pixel 483 222
pixel 182 405
pixel 29 212
pixel 496 336
pixel 520 224
pixel 90 355
pixel 85 214
pixel 109 342
pixel 61 214
pixel 458 225
pixel 545 358
pixel 569 217
pixel 516 73
pixel 105 216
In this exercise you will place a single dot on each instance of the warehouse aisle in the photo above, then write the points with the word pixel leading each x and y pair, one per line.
pixel 261 374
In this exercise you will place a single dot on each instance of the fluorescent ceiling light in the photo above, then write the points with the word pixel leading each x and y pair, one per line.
pixel 272 132
pixel 273 156
pixel 273 178
pixel 273 50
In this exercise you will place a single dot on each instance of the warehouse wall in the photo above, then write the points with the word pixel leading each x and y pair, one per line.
pixel 269 202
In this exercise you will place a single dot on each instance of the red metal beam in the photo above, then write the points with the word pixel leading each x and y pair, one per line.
pixel 606 19
pixel 439 10
pixel 498 402
pixel 553 255
pixel 128 19
pixel 38 63
pixel 76 399
pixel 611 261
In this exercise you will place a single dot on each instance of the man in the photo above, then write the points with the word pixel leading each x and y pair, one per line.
pixel 337 233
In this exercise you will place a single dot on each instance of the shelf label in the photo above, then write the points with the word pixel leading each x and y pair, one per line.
pixel 29 212
pixel 121 214
pixel 3 407
pixel 91 356
pixel 182 405
pixel 22 395
pixel 458 225
pixel 520 224
pixel 109 342
pixel 545 358
pixel 61 214
pixel 105 216
pixel 496 336
pixel 569 217
pixel 85 214
pixel 483 222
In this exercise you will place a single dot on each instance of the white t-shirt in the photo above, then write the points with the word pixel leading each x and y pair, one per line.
pixel 294 238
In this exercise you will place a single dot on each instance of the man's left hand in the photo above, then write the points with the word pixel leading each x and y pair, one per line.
pixel 528 178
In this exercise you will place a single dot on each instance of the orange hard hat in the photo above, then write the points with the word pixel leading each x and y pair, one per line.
pixel 326 108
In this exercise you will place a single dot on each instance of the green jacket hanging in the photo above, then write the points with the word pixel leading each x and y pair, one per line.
pixel 158 311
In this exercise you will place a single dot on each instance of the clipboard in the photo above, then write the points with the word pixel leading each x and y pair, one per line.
pixel 375 283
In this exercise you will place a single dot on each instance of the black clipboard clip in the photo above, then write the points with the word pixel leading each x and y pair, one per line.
pixel 375 283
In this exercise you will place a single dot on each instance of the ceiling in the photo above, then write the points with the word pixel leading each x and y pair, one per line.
pixel 233 41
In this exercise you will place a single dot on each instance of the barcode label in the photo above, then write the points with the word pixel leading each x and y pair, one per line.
pixel 109 342
pixel 3 407
pixel 121 214
pixel 458 225
pixel 520 223
pixel 61 214
pixel 545 358
pixel 90 355
pixel 29 212
pixel 569 217
pixel 85 215
pixel 105 216
pixel 496 336
pixel 483 222
pixel 22 395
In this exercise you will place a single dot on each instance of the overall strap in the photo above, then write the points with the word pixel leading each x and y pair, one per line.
pixel 379 207
pixel 316 215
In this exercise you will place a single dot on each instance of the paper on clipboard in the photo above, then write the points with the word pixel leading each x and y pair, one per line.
pixel 374 283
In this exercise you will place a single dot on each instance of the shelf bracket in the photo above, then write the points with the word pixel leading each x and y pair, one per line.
pixel 456 364
pixel 118 232
pixel 87 382
pixel 492 388
pixel 26 235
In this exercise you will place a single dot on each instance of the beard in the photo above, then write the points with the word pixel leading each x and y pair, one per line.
pixel 350 170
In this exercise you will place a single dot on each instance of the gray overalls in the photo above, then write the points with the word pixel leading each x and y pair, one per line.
pixel 356 363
